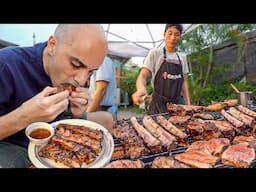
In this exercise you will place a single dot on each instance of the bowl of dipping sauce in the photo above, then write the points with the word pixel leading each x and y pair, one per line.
pixel 39 132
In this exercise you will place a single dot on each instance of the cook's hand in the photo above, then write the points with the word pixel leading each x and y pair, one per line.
pixel 79 101
pixel 137 97
pixel 46 105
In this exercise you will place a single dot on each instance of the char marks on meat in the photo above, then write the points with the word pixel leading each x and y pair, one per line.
pixel 175 119
pixel 125 163
pixel 73 148
pixel 128 136
pixel 250 139
pixel 197 159
pixel 152 143
pixel 213 146
pixel 203 116
pixel 247 111
pixel 239 155
pixel 167 162
pixel 241 116
pixel 167 140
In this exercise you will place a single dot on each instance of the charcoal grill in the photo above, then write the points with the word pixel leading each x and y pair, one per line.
pixel 120 151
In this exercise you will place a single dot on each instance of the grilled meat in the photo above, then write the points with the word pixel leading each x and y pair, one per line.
pixel 129 137
pixel 213 146
pixel 166 138
pixel 152 142
pixel 239 155
pixel 250 139
pixel 247 111
pixel 241 116
pixel 225 128
pixel 170 127
pixel 203 116
pixel 175 119
pixel 125 163
pixel 232 119
pixel 167 162
pixel 197 159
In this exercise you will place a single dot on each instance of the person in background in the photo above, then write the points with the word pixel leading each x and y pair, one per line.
pixel 29 77
pixel 168 70
pixel 103 88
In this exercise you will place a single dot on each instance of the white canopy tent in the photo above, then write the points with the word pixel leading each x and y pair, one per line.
pixel 135 40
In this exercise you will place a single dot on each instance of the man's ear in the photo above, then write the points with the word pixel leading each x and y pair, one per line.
pixel 51 45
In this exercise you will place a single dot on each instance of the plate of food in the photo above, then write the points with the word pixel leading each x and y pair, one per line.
pixel 76 143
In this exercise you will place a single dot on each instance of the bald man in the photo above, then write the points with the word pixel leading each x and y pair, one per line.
pixel 29 77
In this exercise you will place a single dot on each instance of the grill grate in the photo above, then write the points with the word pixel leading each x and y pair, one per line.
pixel 120 151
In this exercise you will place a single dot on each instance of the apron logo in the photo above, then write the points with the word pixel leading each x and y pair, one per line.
pixel 165 76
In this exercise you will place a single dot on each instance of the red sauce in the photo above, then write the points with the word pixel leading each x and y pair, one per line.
pixel 40 133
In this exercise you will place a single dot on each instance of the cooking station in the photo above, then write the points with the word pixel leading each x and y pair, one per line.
pixel 237 137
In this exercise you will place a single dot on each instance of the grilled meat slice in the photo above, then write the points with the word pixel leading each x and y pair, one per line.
pixel 213 146
pixel 168 140
pixel 152 142
pixel 241 116
pixel 175 119
pixel 197 159
pixel 125 163
pixel 170 127
pixel 203 116
pixel 79 129
pixel 128 136
pixel 59 155
pixel 250 139
pixel 239 155
pixel 67 135
pixel 232 119
pixel 225 128
pixel 167 162
pixel 247 111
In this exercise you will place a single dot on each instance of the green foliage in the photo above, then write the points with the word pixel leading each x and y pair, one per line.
pixel 128 81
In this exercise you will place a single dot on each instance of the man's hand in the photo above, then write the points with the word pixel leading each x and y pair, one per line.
pixel 137 97
pixel 79 101
pixel 46 105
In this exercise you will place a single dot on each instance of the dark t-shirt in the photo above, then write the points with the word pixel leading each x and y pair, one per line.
pixel 22 76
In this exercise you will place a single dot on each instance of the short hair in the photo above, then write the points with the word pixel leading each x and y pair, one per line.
pixel 178 26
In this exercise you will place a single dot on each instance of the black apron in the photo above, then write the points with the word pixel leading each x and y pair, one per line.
pixel 167 86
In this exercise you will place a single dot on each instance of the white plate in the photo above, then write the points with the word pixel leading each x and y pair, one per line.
pixel 102 159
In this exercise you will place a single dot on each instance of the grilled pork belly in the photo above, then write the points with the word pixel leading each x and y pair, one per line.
pixel 225 128
pixel 170 127
pixel 247 111
pixel 152 143
pixel 128 136
pixel 197 159
pixel 125 163
pixel 239 155
pixel 203 116
pixel 241 116
pixel 250 139
pixel 167 162
pixel 168 140
pixel 213 146
pixel 175 119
